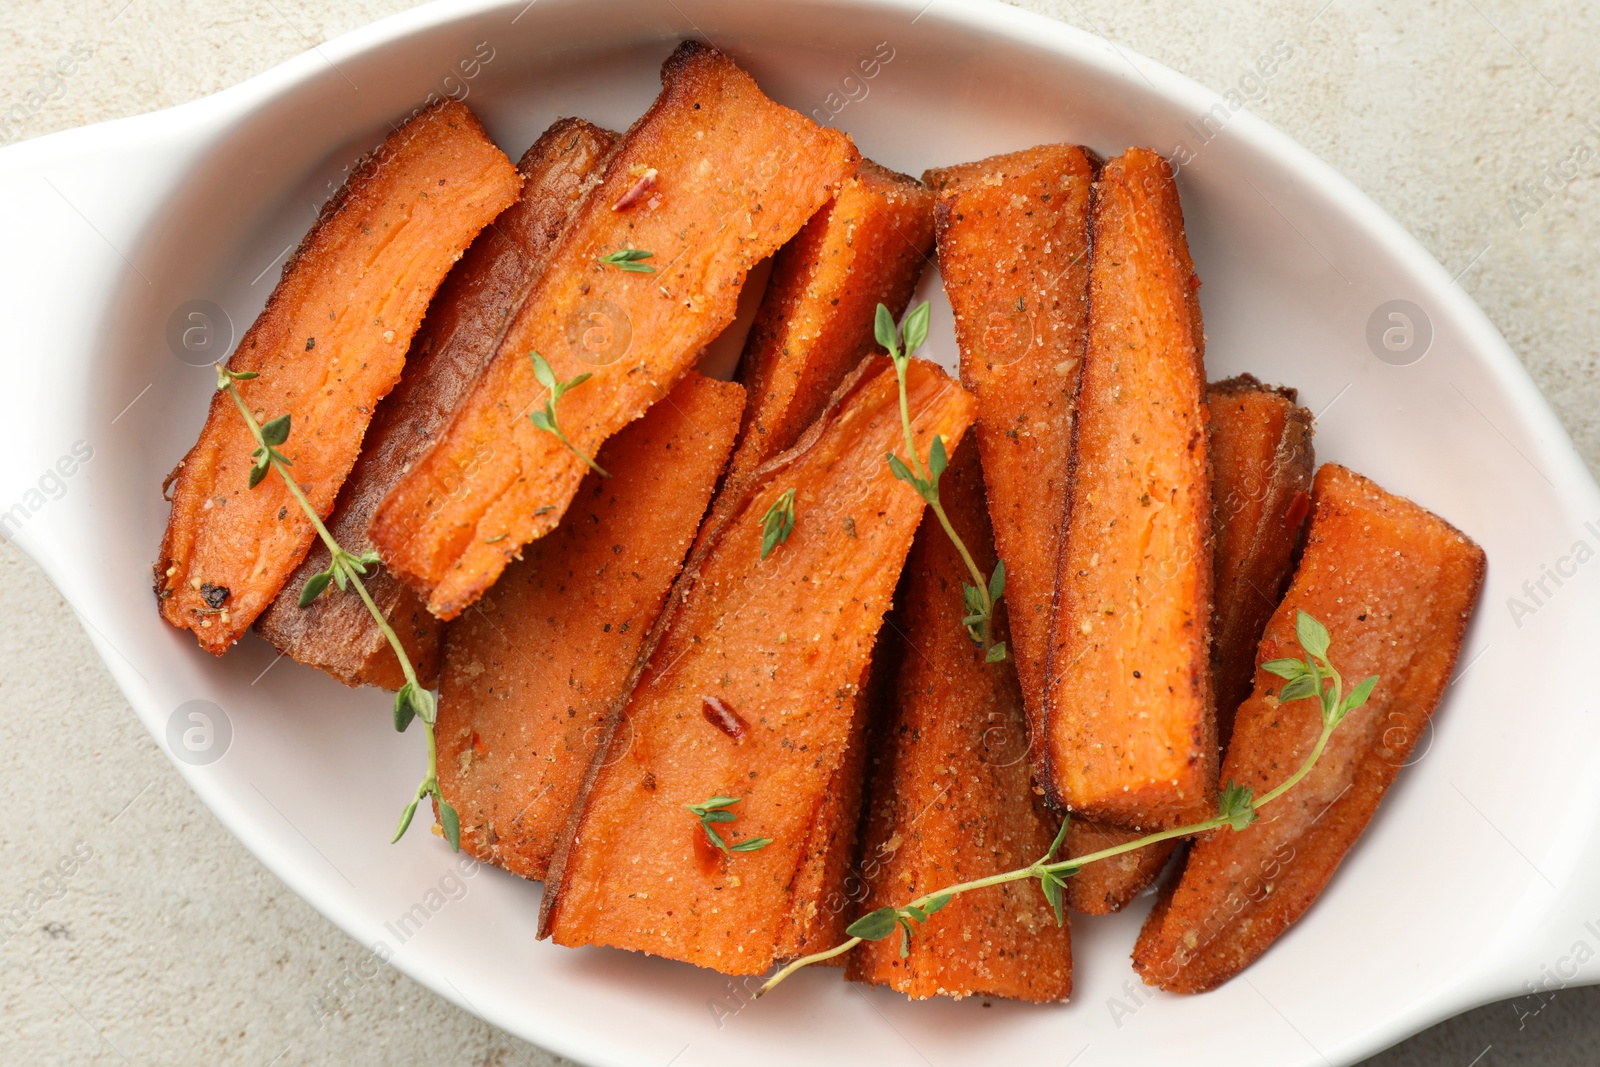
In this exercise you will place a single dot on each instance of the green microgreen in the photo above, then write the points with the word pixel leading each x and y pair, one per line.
pixel 715 810
pixel 346 569
pixel 628 259
pixel 1236 810
pixel 980 597
pixel 778 523
pixel 545 419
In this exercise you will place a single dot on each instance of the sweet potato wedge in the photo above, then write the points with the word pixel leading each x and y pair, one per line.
pixel 1261 464
pixel 952 801
pixel 462 328
pixel 1013 253
pixel 1110 885
pixel 1130 728
pixel 533 670
pixel 749 693
pixel 328 346
pixel 713 178
pixel 1395 585
pixel 824 894
pixel 865 247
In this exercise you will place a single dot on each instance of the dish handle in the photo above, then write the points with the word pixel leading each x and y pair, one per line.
pixel 75 210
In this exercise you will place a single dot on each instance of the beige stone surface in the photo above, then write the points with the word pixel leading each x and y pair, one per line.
pixel 172 945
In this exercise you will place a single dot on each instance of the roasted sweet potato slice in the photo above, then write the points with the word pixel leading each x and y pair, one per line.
pixel 1013 252
pixel 952 801
pixel 864 248
pixel 711 180
pixel 533 670
pixel 749 694
pixel 1395 585
pixel 1130 730
pixel 825 891
pixel 1261 464
pixel 329 344
pixel 1109 885
pixel 462 328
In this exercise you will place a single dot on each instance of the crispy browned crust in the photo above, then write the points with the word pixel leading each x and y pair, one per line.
pixel 1131 731
pixel 464 324
pixel 1396 586
pixel 533 669
pixel 952 799
pixel 1261 464
pixel 1013 235
pixel 783 643
pixel 736 176
pixel 330 343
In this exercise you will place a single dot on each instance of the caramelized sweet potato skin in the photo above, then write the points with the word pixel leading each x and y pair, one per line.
pixel 328 346
pixel 1396 586
pixel 780 643
pixel 736 176
pixel 1014 256
pixel 459 334
pixel 532 672
pixel 865 247
pixel 1261 464
pixel 952 799
pixel 1131 732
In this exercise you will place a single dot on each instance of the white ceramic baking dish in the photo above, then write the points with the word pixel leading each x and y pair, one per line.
pixel 1477 880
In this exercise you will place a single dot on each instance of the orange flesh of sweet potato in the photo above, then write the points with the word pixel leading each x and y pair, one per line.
pixel 1130 733
pixel 866 247
pixel 329 344
pixel 1013 253
pixel 781 645
pixel 953 798
pixel 459 334
pixel 822 896
pixel 736 176
pixel 532 671
pixel 1261 464
pixel 1396 586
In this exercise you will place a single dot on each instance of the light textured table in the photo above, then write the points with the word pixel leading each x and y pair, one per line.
pixel 172 945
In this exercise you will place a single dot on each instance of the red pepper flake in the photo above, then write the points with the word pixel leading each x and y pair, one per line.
pixel 636 193
pixel 1297 510
pixel 723 718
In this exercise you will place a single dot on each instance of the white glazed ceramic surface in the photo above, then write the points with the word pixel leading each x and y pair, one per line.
pixel 1478 873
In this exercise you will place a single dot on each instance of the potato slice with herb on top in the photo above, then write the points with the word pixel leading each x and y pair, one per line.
pixel 697 816
pixel 951 797
pixel 1395 586
pixel 533 670
pixel 711 180
pixel 462 328
pixel 329 345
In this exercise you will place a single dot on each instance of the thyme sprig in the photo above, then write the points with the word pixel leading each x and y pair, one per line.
pixel 979 598
pixel 778 523
pixel 715 810
pixel 1236 809
pixel 628 259
pixel 545 419
pixel 346 570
